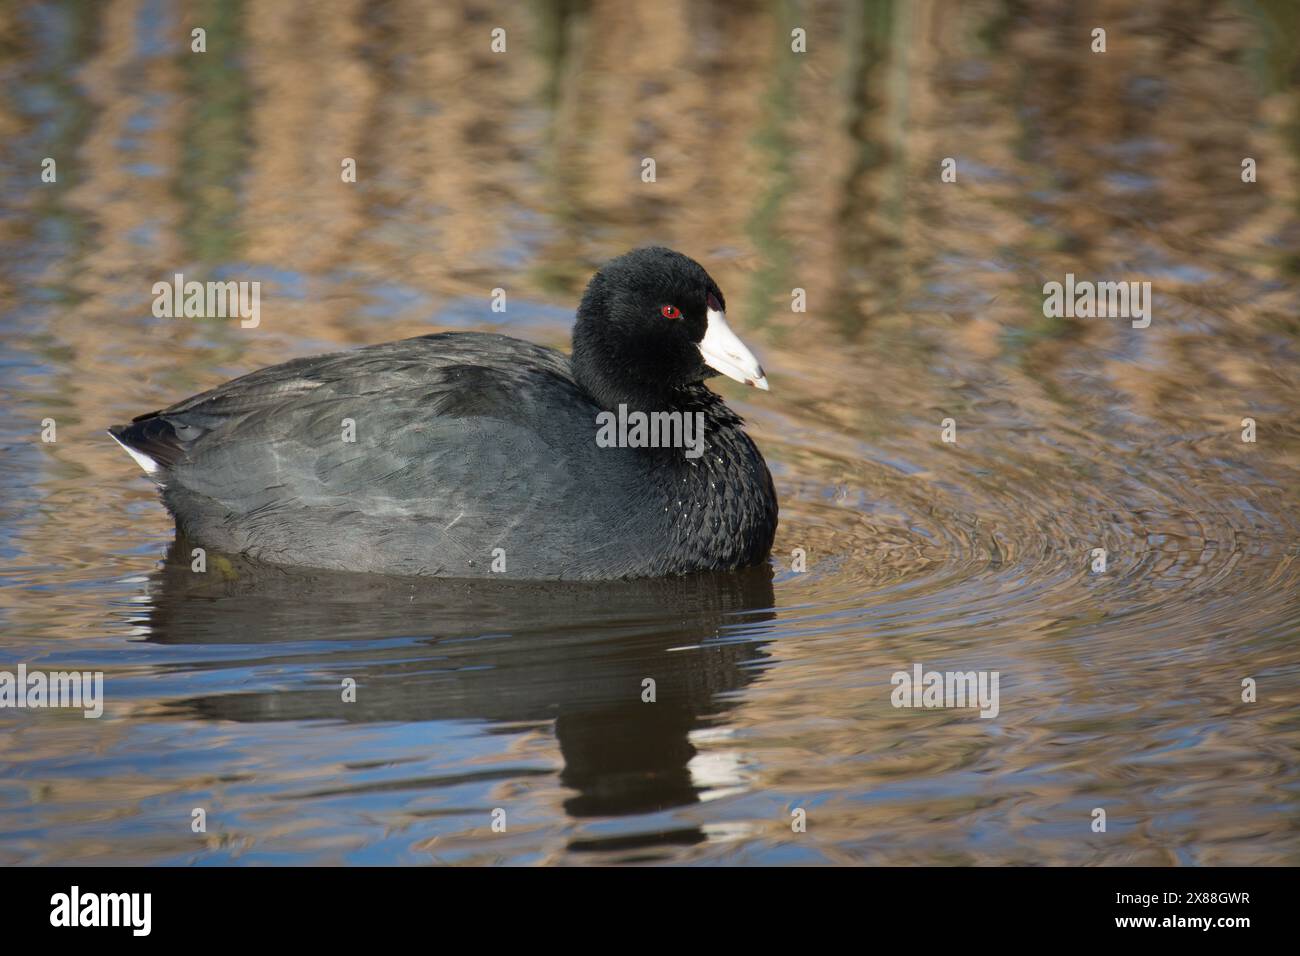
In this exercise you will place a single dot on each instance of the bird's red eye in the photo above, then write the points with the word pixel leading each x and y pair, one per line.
pixel 671 312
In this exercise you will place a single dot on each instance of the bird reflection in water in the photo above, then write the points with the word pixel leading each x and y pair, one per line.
pixel 506 652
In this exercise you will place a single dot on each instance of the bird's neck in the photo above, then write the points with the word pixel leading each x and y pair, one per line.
pixel 611 392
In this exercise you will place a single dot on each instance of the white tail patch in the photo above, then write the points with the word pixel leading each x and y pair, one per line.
pixel 151 467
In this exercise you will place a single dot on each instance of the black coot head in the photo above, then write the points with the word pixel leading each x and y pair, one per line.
pixel 650 322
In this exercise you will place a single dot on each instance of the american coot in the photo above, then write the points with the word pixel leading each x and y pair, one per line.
pixel 468 454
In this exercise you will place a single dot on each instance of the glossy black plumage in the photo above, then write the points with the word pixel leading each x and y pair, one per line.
pixel 467 442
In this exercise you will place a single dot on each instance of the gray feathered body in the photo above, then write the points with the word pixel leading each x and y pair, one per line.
pixel 465 443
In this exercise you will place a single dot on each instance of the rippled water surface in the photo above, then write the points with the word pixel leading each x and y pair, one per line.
pixel 1119 689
